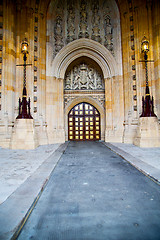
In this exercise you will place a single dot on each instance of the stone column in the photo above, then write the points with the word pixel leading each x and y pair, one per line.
pixel 114 109
pixel 109 110
pixel 151 75
pixel 55 110
pixel 128 73
pixel 8 73
pixel 156 52
pixel 60 111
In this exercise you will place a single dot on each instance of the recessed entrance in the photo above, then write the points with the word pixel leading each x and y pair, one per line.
pixel 84 123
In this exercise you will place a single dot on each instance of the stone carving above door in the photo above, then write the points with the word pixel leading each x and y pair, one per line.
pixel 83 77
pixel 83 19
pixel 99 98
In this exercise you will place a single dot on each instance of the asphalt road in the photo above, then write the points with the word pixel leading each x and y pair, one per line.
pixel 93 194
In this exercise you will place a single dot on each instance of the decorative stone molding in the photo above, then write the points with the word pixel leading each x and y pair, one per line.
pixel 100 99
pixel 89 48
pixel 74 100
pixel 36 60
pixel 132 40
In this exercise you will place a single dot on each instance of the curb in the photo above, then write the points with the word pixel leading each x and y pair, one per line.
pixel 24 220
pixel 122 154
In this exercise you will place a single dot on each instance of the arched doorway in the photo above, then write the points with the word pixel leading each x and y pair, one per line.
pixel 83 69
pixel 84 123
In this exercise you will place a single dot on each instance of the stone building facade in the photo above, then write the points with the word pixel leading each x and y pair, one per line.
pixel 79 51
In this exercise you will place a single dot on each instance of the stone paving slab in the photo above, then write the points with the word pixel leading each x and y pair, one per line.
pixel 18 165
pixel 19 187
pixel 94 194
pixel 15 208
pixel 147 160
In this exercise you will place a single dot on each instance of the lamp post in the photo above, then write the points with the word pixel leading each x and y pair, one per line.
pixel 24 105
pixel 147 101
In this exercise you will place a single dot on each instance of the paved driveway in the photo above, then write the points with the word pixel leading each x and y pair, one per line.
pixel 94 194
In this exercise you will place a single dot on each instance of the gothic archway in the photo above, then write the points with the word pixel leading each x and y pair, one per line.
pixel 76 101
pixel 84 28
pixel 84 82
pixel 62 51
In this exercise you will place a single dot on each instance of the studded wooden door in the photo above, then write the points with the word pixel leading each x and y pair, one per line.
pixel 84 123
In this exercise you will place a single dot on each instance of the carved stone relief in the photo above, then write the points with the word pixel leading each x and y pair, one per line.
pixel 96 22
pixel 108 34
pixel 83 19
pixel 83 26
pixel 71 24
pixel 99 98
pixel 83 77
pixel 58 35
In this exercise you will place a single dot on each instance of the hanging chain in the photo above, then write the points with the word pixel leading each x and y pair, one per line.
pixel 146 73
pixel 24 80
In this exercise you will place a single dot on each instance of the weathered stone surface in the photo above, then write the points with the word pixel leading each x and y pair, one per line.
pixel 24 135
pixel 148 132
pixel 100 32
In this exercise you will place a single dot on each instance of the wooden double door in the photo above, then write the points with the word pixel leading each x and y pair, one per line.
pixel 84 123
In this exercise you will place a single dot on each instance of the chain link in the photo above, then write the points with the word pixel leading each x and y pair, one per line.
pixel 146 73
pixel 24 80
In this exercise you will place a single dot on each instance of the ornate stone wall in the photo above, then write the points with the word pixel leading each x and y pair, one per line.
pixel 84 80
pixel 88 31
pixel 99 98
pixel 83 19
pixel 58 33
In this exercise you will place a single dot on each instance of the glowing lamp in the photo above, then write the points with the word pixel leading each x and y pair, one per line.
pixel 24 47
pixel 145 45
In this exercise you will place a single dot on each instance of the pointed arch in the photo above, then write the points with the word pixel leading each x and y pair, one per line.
pixel 91 101
pixel 88 48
